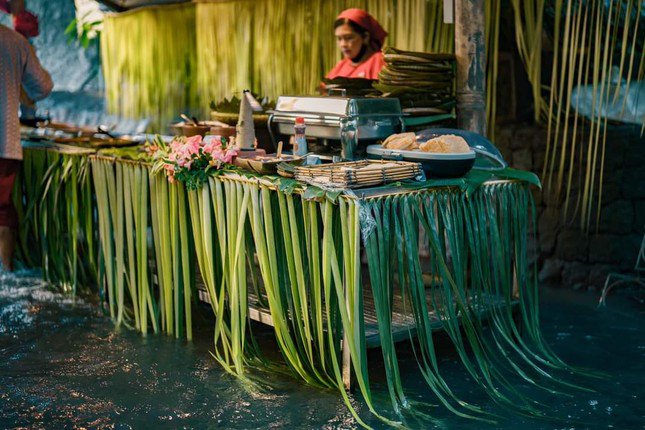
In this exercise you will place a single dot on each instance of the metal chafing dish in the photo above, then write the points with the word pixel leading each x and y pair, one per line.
pixel 342 125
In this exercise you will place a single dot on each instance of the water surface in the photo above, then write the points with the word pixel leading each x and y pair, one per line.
pixel 62 365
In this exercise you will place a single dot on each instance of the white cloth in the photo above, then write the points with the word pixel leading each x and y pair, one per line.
pixel 628 106
pixel 19 66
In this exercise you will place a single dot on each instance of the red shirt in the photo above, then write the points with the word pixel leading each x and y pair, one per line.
pixel 368 69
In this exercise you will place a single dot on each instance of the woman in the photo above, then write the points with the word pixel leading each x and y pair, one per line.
pixel 360 38
pixel 19 68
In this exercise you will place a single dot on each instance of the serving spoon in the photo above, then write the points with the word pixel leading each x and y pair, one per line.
pixel 188 120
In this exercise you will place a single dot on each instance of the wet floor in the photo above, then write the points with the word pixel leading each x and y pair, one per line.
pixel 62 365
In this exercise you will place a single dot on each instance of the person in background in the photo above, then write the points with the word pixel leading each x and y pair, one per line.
pixel 25 23
pixel 19 68
pixel 360 38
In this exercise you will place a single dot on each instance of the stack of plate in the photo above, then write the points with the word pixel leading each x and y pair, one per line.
pixel 350 87
pixel 423 82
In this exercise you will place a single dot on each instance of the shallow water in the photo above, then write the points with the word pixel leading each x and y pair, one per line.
pixel 62 365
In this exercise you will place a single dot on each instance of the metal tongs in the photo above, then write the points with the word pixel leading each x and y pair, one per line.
pixel 104 129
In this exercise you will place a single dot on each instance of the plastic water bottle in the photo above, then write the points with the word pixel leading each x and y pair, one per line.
pixel 300 141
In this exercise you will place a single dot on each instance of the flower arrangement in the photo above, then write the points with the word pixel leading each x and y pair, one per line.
pixel 191 160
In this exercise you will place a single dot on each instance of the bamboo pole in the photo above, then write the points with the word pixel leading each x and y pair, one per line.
pixel 471 65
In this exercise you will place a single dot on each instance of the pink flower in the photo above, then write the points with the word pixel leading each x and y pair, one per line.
pixel 213 146
pixel 196 139
pixel 229 155
pixel 182 147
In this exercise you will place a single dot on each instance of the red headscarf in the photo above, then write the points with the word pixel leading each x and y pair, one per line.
pixel 367 21
pixel 24 22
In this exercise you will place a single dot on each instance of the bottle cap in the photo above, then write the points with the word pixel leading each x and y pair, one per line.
pixel 300 120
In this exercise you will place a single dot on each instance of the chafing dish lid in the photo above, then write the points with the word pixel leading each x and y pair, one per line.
pixel 337 106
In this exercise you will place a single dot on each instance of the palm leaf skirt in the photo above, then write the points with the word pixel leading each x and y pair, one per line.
pixel 456 262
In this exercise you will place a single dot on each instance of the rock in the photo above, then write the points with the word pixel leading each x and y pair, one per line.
pixel 633 183
pixel 524 136
pixel 503 138
pixel 598 274
pixel 613 162
pixel 617 217
pixel 579 286
pixel 538 160
pixel 572 245
pixel 612 188
pixel 549 198
pixel 639 216
pixel 630 249
pixel 575 273
pixel 551 271
pixel 613 249
pixel 539 139
pixel 635 150
pixel 522 159
pixel 548 230
pixel 507 154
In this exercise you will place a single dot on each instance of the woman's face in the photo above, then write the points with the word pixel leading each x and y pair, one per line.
pixel 349 42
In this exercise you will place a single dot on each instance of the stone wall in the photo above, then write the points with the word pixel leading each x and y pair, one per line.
pixel 567 256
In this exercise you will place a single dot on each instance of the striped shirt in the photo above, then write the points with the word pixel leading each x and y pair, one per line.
pixel 19 67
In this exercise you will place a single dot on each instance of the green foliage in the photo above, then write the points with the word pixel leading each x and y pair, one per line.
pixel 232 105
pixel 55 203
pixel 87 36
pixel 159 61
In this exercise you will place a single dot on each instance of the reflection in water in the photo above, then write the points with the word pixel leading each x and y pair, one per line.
pixel 62 364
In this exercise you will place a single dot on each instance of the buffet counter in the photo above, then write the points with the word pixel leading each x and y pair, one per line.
pixel 334 273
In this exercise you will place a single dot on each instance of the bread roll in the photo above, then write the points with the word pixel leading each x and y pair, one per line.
pixel 401 141
pixel 433 145
pixel 448 143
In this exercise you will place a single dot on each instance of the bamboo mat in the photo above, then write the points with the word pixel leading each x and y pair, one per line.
pixel 403 323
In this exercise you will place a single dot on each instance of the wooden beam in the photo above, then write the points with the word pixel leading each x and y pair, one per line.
pixel 471 65
pixel 114 5
pixel 124 5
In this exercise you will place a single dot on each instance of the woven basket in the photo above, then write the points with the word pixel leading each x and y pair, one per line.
pixel 357 174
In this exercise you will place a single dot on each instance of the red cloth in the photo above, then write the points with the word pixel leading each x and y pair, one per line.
pixel 367 21
pixel 368 69
pixel 8 172
pixel 25 22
